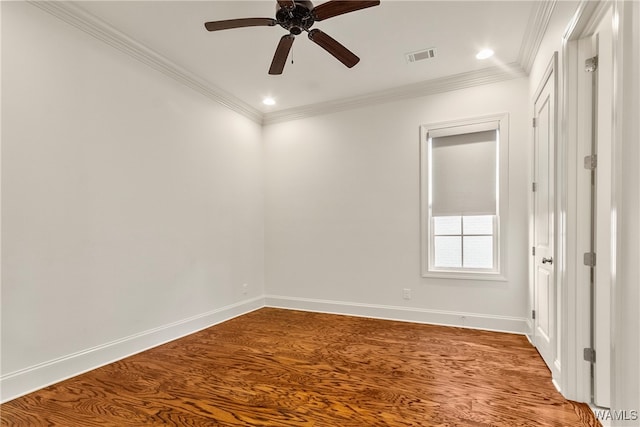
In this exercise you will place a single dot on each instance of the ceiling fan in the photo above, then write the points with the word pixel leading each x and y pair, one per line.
pixel 297 16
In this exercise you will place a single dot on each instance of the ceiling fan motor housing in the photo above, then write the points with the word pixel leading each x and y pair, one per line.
pixel 295 19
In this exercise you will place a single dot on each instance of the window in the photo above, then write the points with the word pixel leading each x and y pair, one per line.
pixel 464 242
pixel 464 188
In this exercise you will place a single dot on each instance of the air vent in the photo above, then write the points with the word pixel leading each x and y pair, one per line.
pixel 421 55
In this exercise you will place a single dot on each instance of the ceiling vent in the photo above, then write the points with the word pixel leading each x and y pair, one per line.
pixel 421 55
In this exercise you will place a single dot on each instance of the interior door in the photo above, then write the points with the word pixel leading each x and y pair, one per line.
pixel 544 207
pixel 602 199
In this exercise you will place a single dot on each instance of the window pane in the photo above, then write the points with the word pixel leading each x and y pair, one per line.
pixel 447 225
pixel 478 252
pixel 478 224
pixel 448 251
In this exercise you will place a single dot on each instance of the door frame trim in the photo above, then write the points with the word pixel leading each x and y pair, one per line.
pixel 551 72
pixel 574 311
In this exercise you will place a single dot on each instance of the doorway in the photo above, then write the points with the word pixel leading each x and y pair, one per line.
pixel 589 233
pixel 596 51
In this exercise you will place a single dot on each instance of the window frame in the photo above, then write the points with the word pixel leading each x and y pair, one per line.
pixel 500 220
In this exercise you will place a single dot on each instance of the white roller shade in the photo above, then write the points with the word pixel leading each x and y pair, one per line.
pixel 464 174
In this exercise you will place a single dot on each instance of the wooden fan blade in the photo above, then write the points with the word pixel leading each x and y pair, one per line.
pixel 239 23
pixel 338 7
pixel 282 52
pixel 286 3
pixel 340 52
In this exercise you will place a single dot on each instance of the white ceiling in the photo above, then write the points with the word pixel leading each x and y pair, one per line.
pixel 235 62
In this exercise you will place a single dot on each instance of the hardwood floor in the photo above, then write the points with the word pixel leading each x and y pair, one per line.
pixel 277 367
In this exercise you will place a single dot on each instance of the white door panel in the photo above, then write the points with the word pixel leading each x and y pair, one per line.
pixel 544 207
pixel 603 210
pixel 543 314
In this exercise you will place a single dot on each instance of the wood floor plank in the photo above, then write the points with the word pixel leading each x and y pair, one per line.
pixel 276 367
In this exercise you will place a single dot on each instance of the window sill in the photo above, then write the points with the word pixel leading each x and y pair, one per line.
pixel 458 275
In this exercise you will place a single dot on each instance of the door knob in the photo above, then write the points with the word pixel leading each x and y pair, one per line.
pixel 547 260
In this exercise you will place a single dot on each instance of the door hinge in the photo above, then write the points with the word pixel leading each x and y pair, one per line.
pixel 533 314
pixel 533 250
pixel 590 162
pixel 590 259
pixel 533 122
pixel 589 355
pixel 534 187
pixel 591 64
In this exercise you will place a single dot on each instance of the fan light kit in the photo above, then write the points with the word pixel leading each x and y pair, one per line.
pixel 297 16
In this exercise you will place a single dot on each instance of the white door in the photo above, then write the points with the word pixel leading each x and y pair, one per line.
pixel 544 207
pixel 603 43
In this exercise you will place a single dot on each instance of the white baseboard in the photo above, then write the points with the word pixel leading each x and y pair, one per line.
pixel 514 325
pixel 24 381
pixel 529 332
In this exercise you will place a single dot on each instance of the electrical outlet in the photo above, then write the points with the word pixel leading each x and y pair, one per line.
pixel 406 293
pixel 245 287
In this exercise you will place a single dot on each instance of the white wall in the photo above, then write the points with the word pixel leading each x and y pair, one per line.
pixel 343 212
pixel 132 208
pixel 129 203
pixel 552 41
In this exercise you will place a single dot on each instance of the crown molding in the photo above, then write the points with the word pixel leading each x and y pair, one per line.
pixel 429 87
pixel 534 33
pixel 99 29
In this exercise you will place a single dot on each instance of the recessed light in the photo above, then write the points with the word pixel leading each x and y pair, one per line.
pixel 484 54
pixel 269 101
